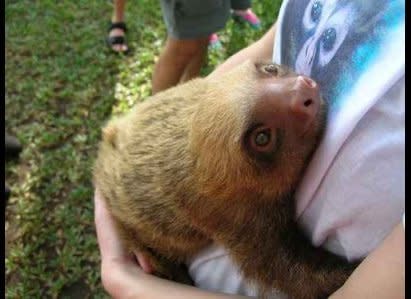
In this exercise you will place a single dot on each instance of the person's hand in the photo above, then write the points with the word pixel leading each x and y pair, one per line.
pixel 120 271
pixel 124 275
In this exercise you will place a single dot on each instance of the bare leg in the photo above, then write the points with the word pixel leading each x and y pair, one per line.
pixel 193 68
pixel 180 61
pixel 118 12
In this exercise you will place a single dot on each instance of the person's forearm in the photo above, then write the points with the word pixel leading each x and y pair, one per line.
pixel 260 50
pixel 381 274
pixel 154 287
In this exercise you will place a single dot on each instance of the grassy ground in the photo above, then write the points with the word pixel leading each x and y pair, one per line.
pixel 62 83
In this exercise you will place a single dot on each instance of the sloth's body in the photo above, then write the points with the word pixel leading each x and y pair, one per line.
pixel 218 161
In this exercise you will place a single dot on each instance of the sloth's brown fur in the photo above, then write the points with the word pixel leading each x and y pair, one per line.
pixel 176 177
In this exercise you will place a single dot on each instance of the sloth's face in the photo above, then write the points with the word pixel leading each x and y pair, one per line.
pixel 260 121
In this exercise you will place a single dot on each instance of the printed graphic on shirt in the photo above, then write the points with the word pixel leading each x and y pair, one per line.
pixel 336 41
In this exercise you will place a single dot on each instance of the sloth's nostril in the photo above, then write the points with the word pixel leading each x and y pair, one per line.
pixel 308 102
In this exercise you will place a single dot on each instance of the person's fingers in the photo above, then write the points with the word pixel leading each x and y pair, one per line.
pixel 108 240
pixel 107 236
pixel 119 278
pixel 143 262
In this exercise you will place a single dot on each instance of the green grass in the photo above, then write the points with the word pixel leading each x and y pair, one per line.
pixel 62 84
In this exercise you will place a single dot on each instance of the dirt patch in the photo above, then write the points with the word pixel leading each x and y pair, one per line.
pixel 76 290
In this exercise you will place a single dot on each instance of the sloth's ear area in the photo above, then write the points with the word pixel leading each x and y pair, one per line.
pixel 109 133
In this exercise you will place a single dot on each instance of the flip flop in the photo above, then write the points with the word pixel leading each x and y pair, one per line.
pixel 117 39
pixel 247 17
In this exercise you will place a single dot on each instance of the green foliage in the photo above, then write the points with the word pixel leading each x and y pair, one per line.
pixel 62 84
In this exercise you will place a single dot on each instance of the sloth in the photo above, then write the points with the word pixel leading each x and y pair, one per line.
pixel 218 160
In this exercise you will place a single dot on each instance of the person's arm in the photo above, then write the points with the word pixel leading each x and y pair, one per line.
pixel 381 274
pixel 124 275
pixel 260 50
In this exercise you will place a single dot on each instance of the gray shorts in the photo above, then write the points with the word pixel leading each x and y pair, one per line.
pixel 189 19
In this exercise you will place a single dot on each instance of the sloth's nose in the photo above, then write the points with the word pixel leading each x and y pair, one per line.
pixel 306 101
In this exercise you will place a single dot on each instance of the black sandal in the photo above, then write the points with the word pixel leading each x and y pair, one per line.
pixel 117 40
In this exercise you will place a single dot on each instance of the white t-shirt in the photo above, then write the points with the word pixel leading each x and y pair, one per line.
pixel 352 194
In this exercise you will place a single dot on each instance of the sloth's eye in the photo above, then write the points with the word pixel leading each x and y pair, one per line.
pixel 262 142
pixel 262 138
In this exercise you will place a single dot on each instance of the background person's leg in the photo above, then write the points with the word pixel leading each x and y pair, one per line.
pixel 180 61
pixel 118 17
pixel 13 146
pixel 192 70
pixel 189 25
